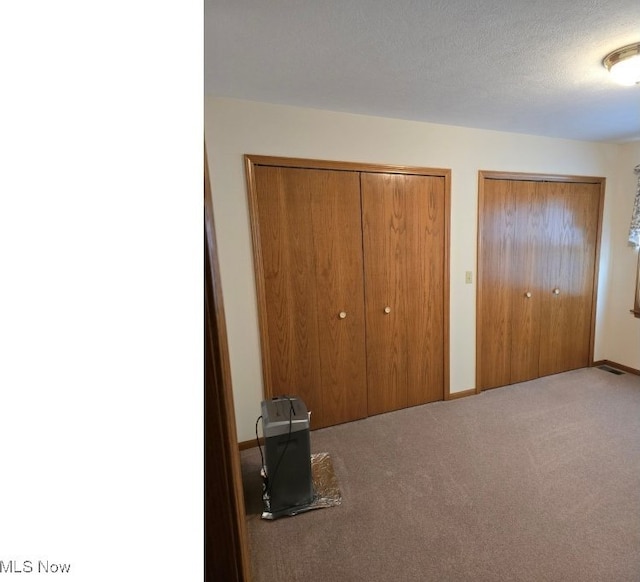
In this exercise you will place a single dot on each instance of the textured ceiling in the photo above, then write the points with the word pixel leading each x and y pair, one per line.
pixel 525 66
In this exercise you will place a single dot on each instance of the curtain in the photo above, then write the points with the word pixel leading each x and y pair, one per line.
pixel 634 239
pixel 634 230
pixel 636 303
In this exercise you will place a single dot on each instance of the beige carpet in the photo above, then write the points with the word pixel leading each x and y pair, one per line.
pixel 537 482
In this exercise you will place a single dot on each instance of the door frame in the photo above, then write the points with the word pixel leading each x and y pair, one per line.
pixel 226 549
pixel 484 175
pixel 253 160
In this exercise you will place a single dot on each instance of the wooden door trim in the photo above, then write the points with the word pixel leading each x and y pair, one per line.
pixel 257 160
pixel 446 282
pixel 526 176
pixel 596 274
pixel 479 276
pixel 596 271
pixel 258 264
pixel 226 549
pixel 253 160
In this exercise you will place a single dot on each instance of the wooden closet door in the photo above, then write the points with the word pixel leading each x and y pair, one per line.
pixel 526 267
pixel 496 232
pixel 536 275
pixel 337 235
pixel 424 197
pixel 571 226
pixel 311 247
pixel 286 244
pixel 403 229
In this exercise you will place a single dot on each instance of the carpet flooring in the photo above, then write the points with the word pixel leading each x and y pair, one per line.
pixel 539 481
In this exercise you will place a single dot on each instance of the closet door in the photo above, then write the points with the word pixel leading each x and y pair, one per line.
pixel 404 238
pixel 309 224
pixel 337 235
pixel 527 265
pixel 570 226
pixel 510 264
pixel 496 232
pixel 536 275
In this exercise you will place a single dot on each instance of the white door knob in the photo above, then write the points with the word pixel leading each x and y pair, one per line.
pixel 342 314
pixel 556 291
pixel 387 310
pixel 527 294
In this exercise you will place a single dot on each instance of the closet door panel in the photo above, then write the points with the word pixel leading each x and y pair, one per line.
pixel 424 199
pixel 581 261
pixel 404 237
pixel 384 221
pixel 554 319
pixel 571 226
pixel 495 263
pixel 337 236
pixel 527 268
pixel 284 209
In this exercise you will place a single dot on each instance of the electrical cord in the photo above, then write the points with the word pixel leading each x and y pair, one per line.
pixel 270 479
pixel 258 441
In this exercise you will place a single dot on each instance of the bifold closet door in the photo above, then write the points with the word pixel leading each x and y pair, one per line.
pixel 511 282
pixel 570 228
pixel 496 232
pixel 527 267
pixel 310 236
pixel 510 264
pixel 536 266
pixel 404 238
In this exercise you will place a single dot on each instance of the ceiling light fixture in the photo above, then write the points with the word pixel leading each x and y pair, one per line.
pixel 624 64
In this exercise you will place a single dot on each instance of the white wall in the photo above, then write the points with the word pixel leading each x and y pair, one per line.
pixel 621 328
pixel 234 128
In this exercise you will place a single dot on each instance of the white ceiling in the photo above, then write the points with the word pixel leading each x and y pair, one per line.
pixel 525 66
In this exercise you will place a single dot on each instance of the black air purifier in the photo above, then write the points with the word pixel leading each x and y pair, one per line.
pixel 288 485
